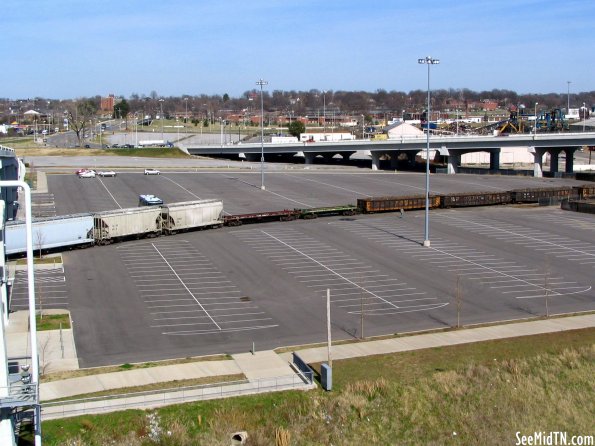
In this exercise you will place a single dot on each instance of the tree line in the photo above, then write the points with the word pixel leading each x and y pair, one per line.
pixel 299 103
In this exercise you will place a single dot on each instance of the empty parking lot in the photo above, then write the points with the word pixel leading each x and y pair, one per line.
pixel 225 290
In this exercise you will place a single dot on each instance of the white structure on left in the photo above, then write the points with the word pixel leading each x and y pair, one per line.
pixel 19 379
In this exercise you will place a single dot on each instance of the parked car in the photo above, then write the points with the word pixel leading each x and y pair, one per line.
pixel 152 172
pixel 87 174
pixel 106 173
pixel 78 172
pixel 149 200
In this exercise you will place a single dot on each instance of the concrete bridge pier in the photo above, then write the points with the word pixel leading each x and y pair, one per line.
pixel 375 160
pixel 495 160
pixel 453 159
pixel 453 163
pixel 394 160
pixel 346 155
pixel 538 153
pixel 569 151
pixel 309 157
pixel 554 160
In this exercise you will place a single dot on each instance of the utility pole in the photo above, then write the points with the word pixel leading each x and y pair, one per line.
pixel 328 326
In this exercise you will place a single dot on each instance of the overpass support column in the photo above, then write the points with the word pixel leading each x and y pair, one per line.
pixel 375 160
pixel 554 160
pixel 328 157
pixel 411 158
pixel 346 155
pixel 309 157
pixel 538 161
pixel 394 160
pixel 454 161
pixel 569 160
pixel 495 160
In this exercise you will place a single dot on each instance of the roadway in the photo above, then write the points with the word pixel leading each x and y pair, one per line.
pixel 220 290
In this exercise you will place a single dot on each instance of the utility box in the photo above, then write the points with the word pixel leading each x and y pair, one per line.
pixel 326 377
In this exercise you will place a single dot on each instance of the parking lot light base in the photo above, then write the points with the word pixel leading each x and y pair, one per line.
pixel 262 187
pixel 426 243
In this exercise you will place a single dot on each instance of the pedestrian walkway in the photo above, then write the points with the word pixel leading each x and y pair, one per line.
pixel 441 339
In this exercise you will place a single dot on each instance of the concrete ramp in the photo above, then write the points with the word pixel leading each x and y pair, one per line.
pixel 265 364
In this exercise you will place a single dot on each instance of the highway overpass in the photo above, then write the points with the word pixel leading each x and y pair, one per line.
pixel 450 146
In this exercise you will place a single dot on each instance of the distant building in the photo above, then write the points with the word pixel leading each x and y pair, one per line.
pixel 107 104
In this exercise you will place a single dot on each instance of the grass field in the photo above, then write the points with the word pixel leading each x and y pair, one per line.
pixel 475 394
pixel 149 152
pixel 52 321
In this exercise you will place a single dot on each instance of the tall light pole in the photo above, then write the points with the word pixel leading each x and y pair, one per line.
pixel 363 127
pixel 161 116
pixel 568 107
pixel 186 115
pixel 584 116
pixel 221 126
pixel 261 83
pixel 428 61
pixel 535 127
pixel 324 110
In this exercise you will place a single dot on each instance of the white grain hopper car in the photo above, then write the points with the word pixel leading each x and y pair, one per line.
pixel 49 233
pixel 191 214
pixel 109 226
pixel 102 228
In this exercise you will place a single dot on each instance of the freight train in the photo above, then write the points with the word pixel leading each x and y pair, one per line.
pixel 106 227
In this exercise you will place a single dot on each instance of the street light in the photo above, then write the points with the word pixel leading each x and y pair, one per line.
pixel 261 83
pixel 568 107
pixel 535 127
pixel 363 127
pixel 584 116
pixel 186 115
pixel 324 112
pixel 428 61
pixel 221 126
pixel 161 116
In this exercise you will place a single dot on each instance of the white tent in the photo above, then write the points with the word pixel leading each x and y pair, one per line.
pixel 400 129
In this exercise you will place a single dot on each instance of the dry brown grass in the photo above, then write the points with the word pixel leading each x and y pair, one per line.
pixel 473 403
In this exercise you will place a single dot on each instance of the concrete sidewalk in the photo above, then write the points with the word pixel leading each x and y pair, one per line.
pixel 268 364
pixel 441 339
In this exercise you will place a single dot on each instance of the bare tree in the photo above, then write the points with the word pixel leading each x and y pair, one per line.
pixel 44 352
pixel 80 117
pixel 39 240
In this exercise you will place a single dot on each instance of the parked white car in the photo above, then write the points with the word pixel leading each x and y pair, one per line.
pixel 106 173
pixel 87 174
pixel 152 172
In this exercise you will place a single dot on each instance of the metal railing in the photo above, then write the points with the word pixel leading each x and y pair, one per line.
pixel 18 393
pixel 139 400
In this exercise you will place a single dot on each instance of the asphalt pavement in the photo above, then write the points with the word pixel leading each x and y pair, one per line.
pixel 259 365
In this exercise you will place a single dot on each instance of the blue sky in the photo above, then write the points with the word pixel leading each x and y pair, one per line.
pixel 73 48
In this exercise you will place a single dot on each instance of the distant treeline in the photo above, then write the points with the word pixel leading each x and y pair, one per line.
pixel 299 103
